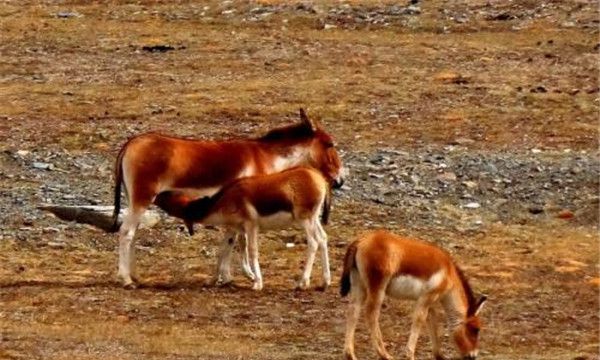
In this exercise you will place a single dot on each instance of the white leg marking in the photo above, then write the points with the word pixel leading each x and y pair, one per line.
pixel 127 246
pixel 246 268
pixel 223 271
pixel 311 251
pixel 322 236
pixel 252 232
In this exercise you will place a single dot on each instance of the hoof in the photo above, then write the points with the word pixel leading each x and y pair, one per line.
pixel 303 285
pixel 322 287
pixel 257 286
pixel 130 285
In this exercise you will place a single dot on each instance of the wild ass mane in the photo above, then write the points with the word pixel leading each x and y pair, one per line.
pixel 471 302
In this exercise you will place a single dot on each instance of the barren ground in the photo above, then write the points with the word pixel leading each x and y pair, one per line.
pixel 433 106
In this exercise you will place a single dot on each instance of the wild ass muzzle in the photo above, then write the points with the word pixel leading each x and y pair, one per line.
pixel 381 263
pixel 295 197
pixel 151 163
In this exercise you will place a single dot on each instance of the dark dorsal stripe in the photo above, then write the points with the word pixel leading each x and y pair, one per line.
pixel 467 290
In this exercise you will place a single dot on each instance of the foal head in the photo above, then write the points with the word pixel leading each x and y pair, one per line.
pixel 466 335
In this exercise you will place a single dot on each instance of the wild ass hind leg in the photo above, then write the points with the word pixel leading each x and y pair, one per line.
pixel 433 326
pixel 311 251
pixel 127 270
pixel 375 296
pixel 353 313
pixel 419 318
pixel 252 233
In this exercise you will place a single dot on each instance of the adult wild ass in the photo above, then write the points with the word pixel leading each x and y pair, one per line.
pixel 380 263
pixel 295 197
pixel 149 164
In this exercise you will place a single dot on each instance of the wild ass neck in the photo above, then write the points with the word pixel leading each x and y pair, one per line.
pixel 295 157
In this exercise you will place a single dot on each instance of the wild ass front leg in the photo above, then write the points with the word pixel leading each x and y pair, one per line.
pixel 433 325
pixel 322 236
pixel 252 233
pixel 311 250
pixel 419 318
pixel 127 247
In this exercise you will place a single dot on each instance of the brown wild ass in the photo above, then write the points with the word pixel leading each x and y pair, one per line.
pixel 151 163
pixel 381 263
pixel 295 197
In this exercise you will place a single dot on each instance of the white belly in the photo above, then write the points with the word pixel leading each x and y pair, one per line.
pixel 411 287
pixel 278 221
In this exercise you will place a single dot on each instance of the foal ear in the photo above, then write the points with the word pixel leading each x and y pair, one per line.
pixel 480 303
pixel 306 121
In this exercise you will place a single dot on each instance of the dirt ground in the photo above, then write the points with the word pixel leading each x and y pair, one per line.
pixel 496 78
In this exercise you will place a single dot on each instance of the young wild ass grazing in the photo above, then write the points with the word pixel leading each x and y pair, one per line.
pixel 151 163
pixel 381 263
pixel 295 197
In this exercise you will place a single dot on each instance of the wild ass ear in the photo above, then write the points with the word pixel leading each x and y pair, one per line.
pixel 308 122
pixel 479 305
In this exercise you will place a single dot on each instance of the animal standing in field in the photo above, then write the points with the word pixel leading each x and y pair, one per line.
pixel 381 263
pixel 151 163
pixel 295 197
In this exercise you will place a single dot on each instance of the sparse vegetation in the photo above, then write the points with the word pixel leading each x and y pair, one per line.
pixel 498 78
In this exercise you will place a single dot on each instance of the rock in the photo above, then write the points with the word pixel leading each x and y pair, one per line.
pixel 565 214
pixel 56 244
pixel 22 153
pixel 470 184
pixel 450 77
pixel 329 26
pixel 376 176
pixel 42 166
pixel 472 205
pixel 67 14
pixel 447 176
pixel 158 48
pixel 538 89
pixel 536 210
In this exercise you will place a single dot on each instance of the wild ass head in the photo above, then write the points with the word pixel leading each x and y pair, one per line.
pixel 312 146
pixel 466 335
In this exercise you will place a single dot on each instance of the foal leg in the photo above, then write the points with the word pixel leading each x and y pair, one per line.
pixel 375 296
pixel 127 246
pixel 246 268
pixel 311 251
pixel 322 238
pixel 223 270
pixel 252 232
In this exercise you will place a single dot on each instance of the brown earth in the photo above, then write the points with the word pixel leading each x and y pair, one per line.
pixel 495 77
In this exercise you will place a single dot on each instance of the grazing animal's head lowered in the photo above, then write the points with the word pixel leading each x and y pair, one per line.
pixel 380 263
pixel 466 335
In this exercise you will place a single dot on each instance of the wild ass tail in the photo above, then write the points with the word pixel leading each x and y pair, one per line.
pixel 326 208
pixel 349 265
pixel 118 182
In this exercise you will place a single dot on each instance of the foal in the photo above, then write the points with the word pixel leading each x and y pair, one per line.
pixel 381 263
pixel 298 196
